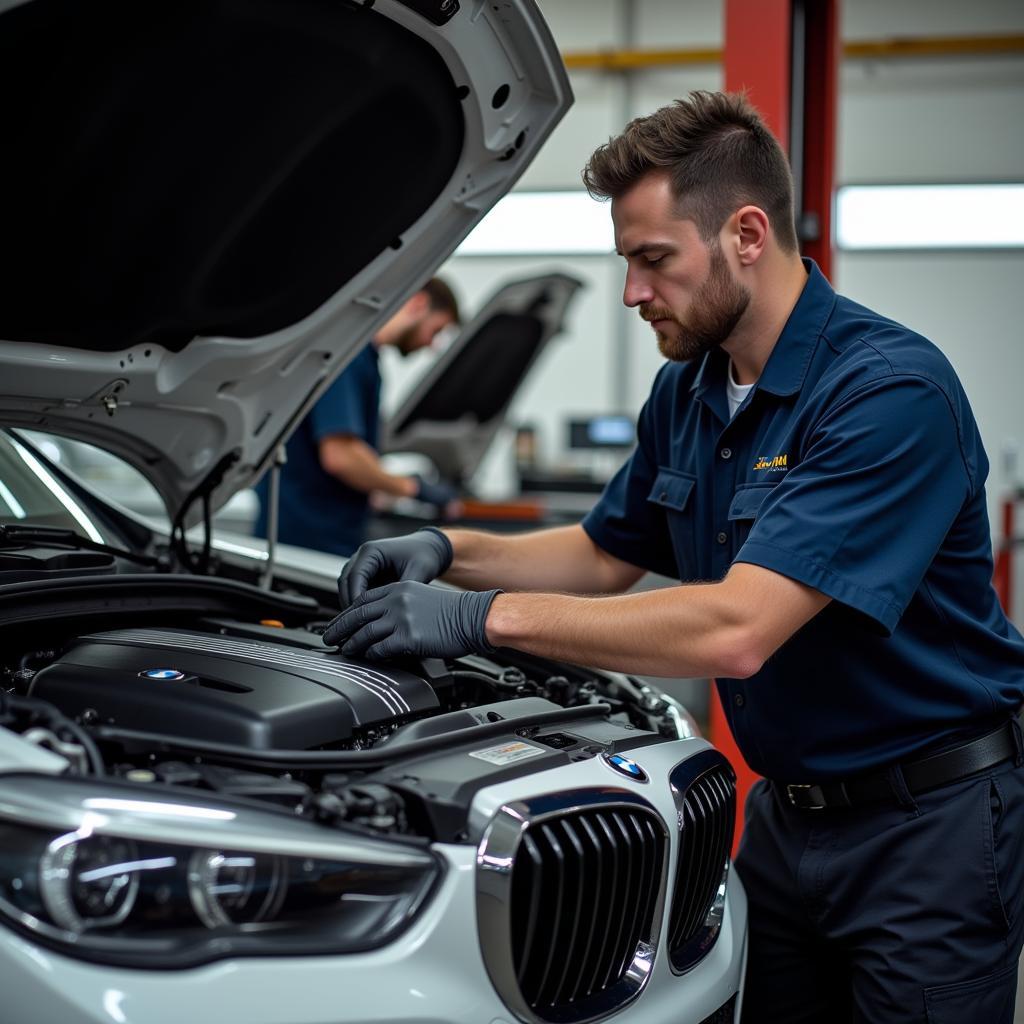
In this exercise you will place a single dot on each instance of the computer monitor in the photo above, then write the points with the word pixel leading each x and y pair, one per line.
pixel 606 431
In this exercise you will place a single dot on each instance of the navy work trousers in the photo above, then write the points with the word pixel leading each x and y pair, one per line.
pixel 888 914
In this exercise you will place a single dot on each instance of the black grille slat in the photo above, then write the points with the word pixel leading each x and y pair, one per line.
pixel 687 848
pixel 527 923
pixel 687 840
pixel 555 861
pixel 727 813
pixel 593 846
pixel 707 809
pixel 585 889
pixel 626 944
pixel 709 863
pixel 572 914
pixel 533 960
pixel 606 854
pixel 699 853
pixel 616 903
pixel 727 822
pixel 655 865
pixel 626 909
pixel 636 897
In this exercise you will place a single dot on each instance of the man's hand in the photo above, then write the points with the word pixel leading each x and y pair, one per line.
pixel 422 556
pixel 413 618
pixel 440 493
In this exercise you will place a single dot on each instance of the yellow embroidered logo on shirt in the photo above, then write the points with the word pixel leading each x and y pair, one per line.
pixel 772 462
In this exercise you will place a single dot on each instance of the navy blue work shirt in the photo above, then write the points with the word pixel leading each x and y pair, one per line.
pixel 853 466
pixel 317 510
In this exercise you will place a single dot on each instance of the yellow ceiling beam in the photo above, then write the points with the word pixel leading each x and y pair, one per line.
pixel 934 46
pixel 629 60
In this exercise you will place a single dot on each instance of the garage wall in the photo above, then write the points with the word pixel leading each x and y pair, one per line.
pixel 913 120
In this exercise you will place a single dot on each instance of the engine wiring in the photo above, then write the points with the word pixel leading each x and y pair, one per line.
pixel 21 714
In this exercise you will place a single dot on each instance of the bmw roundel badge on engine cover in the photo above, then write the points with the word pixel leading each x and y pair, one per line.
pixel 625 766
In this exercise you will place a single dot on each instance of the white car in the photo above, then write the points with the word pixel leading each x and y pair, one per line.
pixel 205 813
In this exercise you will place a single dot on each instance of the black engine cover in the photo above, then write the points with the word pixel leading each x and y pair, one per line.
pixel 228 689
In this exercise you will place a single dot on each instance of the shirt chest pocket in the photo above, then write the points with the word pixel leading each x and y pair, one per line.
pixel 673 492
pixel 745 507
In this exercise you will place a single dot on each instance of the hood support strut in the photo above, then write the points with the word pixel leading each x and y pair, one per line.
pixel 280 458
pixel 199 564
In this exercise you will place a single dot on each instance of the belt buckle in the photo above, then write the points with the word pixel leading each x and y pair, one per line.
pixel 806 796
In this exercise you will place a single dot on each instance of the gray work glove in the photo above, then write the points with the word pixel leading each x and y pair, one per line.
pixel 414 618
pixel 440 493
pixel 421 556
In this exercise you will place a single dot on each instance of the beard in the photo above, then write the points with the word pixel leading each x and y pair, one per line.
pixel 406 341
pixel 717 307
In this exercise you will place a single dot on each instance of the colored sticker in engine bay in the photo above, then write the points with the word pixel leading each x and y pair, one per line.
pixel 507 753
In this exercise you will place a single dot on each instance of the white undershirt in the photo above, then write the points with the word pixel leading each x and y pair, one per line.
pixel 735 392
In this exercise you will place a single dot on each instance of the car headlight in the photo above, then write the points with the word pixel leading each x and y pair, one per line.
pixel 105 875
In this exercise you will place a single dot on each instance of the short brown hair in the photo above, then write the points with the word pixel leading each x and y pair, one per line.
pixel 720 156
pixel 442 298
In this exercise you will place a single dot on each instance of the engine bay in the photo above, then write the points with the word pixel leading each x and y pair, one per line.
pixel 260 710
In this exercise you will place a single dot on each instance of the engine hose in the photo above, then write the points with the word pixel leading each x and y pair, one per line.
pixel 341 760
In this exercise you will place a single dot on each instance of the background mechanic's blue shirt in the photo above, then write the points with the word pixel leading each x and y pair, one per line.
pixel 316 509
pixel 854 466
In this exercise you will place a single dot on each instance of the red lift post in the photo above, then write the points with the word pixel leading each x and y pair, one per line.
pixel 1002 577
pixel 785 55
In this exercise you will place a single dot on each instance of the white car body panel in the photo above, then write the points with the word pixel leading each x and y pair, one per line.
pixel 433 974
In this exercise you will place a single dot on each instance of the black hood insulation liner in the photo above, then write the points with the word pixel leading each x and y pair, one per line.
pixel 207 167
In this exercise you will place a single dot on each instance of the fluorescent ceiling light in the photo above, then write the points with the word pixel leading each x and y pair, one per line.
pixel 867 217
pixel 930 216
pixel 542 223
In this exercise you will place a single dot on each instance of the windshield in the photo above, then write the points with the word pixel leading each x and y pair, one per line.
pixel 32 495
pixel 116 482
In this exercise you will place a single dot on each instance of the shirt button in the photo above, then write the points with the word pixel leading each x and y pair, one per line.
pixel 722 538
pixel 726 453
pixel 739 700
pixel 663 496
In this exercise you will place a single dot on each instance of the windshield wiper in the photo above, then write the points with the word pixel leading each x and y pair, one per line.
pixel 13 535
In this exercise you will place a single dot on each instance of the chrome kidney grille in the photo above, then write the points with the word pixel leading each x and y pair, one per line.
pixel 570 893
pixel 704 788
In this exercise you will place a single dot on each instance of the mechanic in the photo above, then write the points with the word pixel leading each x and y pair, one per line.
pixel 820 466
pixel 332 464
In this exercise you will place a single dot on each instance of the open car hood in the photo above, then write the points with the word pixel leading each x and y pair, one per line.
pixel 453 414
pixel 210 206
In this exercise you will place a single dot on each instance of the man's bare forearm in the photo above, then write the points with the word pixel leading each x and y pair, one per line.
pixel 639 633
pixel 352 461
pixel 559 559
pixel 723 629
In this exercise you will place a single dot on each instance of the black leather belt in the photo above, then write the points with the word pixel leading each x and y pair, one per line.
pixel 927 773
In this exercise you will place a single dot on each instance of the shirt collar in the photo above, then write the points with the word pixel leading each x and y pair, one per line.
pixel 787 365
pixel 713 369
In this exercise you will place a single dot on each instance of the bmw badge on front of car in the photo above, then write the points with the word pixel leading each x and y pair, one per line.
pixel 625 766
